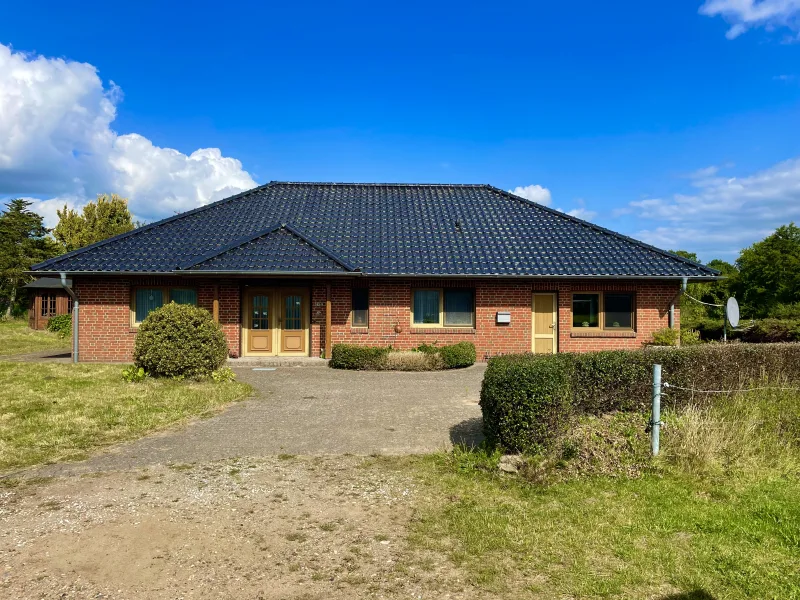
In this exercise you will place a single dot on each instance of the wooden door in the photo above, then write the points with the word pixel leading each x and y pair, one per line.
pixel 292 321
pixel 259 335
pixel 545 324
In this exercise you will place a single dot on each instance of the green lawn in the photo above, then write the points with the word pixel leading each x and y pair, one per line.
pixel 658 536
pixel 51 412
pixel 717 516
pixel 17 338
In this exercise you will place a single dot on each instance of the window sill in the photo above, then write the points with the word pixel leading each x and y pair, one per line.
pixel 602 334
pixel 442 330
pixel 361 330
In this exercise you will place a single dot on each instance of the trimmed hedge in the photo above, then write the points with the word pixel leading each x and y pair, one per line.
pixel 458 356
pixel 357 358
pixel 526 399
pixel 61 325
pixel 180 340
pixel 371 358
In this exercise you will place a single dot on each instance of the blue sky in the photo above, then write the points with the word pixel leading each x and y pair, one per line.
pixel 674 122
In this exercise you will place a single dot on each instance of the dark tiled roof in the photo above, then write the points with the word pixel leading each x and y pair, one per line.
pixel 379 229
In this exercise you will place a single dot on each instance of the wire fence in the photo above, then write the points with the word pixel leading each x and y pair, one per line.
pixel 733 391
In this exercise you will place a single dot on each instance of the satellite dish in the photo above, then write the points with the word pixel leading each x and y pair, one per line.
pixel 732 312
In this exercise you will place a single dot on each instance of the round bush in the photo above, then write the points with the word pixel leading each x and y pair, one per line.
pixel 179 340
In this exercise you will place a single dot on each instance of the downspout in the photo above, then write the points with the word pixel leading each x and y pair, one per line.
pixel 74 297
pixel 684 282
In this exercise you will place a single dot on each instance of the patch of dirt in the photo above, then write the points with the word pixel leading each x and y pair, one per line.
pixel 260 529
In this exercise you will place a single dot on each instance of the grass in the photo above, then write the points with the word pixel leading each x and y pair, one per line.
pixel 17 338
pixel 51 412
pixel 716 518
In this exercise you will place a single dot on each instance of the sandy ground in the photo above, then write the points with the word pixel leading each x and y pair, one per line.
pixel 269 528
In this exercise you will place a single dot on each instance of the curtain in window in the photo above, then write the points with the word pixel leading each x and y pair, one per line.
pixel 183 297
pixel 458 307
pixel 426 307
pixel 147 301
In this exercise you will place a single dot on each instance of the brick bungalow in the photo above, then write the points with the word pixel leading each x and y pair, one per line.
pixel 290 269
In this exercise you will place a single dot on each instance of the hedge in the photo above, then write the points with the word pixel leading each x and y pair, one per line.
pixel 761 331
pixel 526 399
pixel 61 325
pixel 180 340
pixel 351 356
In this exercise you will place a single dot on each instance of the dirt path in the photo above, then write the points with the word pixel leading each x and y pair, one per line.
pixel 268 528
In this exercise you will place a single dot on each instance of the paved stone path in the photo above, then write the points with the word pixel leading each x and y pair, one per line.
pixel 317 411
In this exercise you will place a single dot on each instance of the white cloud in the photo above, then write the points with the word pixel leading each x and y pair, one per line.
pixel 744 14
pixel 56 143
pixel 535 193
pixel 725 214
pixel 582 213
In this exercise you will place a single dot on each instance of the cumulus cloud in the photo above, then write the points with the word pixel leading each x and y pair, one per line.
pixel 745 14
pixel 57 145
pixel 725 213
pixel 535 193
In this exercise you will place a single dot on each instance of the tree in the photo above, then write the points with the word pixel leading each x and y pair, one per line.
pixel 769 272
pixel 100 220
pixel 23 243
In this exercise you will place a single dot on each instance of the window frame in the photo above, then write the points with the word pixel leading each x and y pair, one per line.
pixel 440 324
pixel 165 294
pixel 48 306
pixel 601 314
pixel 353 308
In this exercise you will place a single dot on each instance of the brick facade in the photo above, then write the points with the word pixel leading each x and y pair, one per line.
pixel 106 335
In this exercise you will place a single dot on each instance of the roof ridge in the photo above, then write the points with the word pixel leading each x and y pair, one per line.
pixel 603 230
pixel 147 227
pixel 239 242
pixel 373 184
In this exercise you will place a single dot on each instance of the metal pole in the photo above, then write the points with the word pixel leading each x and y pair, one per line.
pixel 725 324
pixel 655 420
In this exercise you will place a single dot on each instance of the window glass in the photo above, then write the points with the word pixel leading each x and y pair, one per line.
pixel 293 316
pixel 183 296
pixel 426 307
pixel 459 307
pixel 147 300
pixel 360 307
pixel 618 311
pixel 48 305
pixel 260 317
pixel 586 310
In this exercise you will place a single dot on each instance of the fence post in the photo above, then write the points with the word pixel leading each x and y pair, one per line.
pixel 655 419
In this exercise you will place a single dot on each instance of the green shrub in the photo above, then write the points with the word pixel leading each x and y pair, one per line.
pixel 60 325
pixel 689 337
pixel 601 382
pixel 773 330
pixel 458 356
pixel 351 356
pixel 180 340
pixel 424 357
pixel 666 337
pixel 525 401
pixel 785 311
pixel 223 375
pixel 134 374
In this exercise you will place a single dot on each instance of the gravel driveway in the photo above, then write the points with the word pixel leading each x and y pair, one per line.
pixel 317 411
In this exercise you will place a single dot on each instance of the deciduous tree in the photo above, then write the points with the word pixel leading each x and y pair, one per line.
pixel 101 219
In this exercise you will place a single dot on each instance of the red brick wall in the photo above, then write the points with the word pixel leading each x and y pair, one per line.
pixel 105 333
pixel 390 311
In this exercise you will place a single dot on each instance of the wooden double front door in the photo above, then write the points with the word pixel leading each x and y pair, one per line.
pixel 276 322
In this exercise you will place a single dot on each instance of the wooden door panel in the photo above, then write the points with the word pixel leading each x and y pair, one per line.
pixel 293 329
pixel 259 338
pixel 544 323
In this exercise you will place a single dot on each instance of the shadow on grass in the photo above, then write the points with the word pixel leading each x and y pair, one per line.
pixel 468 433
pixel 693 595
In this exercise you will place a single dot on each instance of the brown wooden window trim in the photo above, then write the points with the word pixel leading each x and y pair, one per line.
pixel 441 323
pixel 602 313
pixel 165 295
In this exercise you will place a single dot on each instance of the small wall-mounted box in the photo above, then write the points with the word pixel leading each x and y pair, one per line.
pixel 503 318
